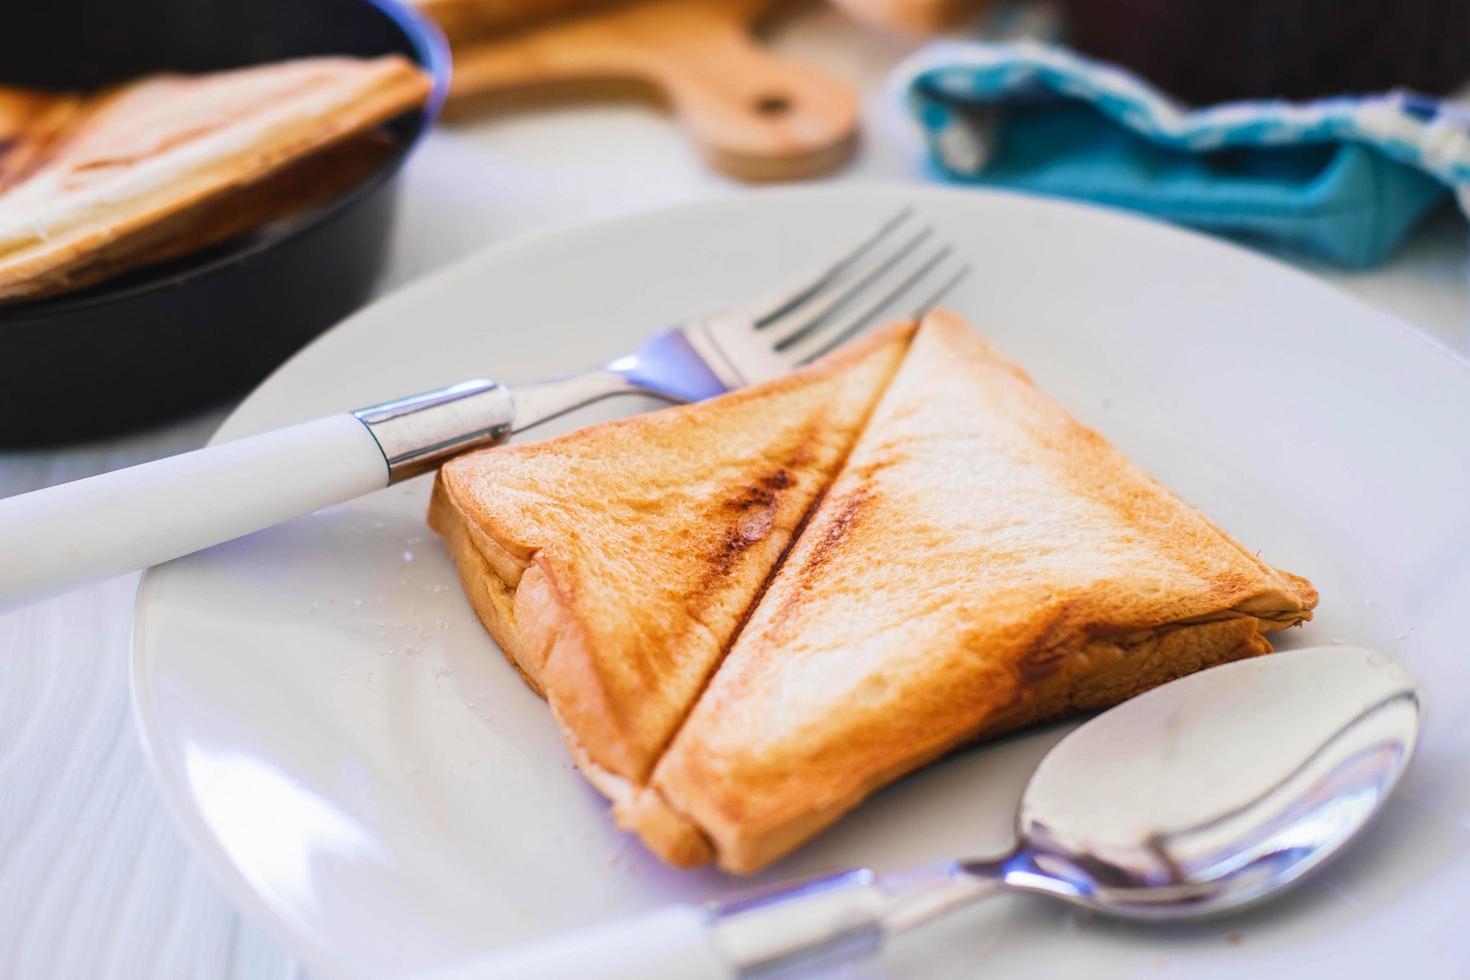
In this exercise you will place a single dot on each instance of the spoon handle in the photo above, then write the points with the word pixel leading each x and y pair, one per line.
pixel 818 923
pixel 823 921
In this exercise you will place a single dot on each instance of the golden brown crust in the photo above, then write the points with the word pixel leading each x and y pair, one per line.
pixel 1116 675
pixel 983 562
pixel 665 832
pixel 149 169
pixel 638 808
pixel 30 122
pixel 491 598
pixel 613 564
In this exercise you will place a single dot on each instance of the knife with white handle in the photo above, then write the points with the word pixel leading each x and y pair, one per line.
pixel 131 518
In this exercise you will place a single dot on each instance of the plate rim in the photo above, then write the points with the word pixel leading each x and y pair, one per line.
pixel 177 802
pixel 1083 209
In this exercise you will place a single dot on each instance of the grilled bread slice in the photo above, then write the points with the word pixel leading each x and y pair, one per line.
pixel 982 562
pixel 131 169
pixel 30 121
pixel 614 564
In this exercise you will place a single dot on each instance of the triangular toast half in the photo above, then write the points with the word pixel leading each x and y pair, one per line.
pixel 107 182
pixel 983 562
pixel 613 565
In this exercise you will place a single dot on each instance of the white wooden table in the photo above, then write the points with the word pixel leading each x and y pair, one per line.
pixel 94 879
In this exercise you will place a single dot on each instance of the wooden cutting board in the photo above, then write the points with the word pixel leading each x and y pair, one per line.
pixel 915 17
pixel 751 114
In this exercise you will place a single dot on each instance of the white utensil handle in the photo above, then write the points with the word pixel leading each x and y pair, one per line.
pixel 128 519
pixel 143 515
pixel 670 944
pixel 815 924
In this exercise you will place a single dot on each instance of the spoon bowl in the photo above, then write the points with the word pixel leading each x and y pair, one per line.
pixel 1217 790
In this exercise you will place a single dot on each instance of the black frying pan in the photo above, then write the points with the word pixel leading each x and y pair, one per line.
pixel 160 341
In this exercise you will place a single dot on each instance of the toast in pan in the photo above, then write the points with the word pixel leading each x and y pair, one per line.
pixel 114 185
pixel 30 121
pixel 982 562
pixel 613 565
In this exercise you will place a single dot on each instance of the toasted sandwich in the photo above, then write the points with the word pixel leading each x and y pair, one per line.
pixel 974 560
pixel 614 565
pixel 982 562
pixel 118 179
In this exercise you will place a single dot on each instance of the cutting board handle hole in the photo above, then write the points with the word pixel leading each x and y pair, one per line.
pixel 772 105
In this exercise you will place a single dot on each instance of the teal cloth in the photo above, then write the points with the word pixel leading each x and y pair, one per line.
pixel 1343 202
pixel 1343 179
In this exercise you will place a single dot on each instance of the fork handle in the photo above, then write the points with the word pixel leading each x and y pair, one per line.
pixel 131 518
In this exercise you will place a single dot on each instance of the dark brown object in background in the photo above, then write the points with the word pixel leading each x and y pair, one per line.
pixel 1206 51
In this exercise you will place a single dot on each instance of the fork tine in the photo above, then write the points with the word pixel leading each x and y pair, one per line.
pixel 777 308
pixel 944 290
pixel 833 337
pixel 736 349
pixel 808 322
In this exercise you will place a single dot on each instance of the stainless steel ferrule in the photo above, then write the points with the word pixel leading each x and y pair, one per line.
pixel 826 921
pixel 822 921
pixel 418 433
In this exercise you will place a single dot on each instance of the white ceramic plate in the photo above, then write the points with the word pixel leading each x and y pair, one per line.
pixel 356 760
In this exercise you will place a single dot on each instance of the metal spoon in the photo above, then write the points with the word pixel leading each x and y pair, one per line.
pixel 1197 798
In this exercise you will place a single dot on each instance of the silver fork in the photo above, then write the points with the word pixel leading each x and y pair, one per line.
pixel 132 518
